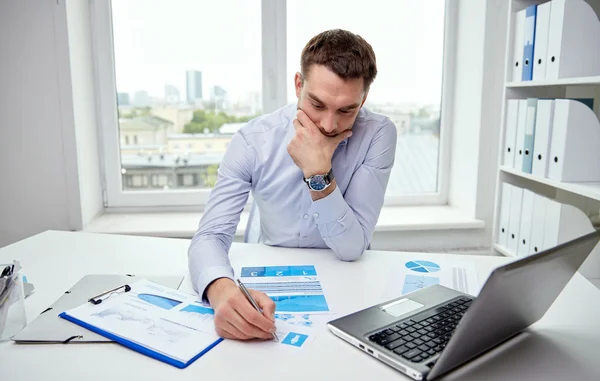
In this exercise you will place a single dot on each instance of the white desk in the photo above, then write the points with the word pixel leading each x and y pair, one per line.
pixel 564 345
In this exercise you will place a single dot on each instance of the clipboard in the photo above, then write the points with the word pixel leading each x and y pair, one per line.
pixel 159 322
pixel 49 328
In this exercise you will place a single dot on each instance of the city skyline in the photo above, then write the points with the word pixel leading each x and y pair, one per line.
pixel 157 42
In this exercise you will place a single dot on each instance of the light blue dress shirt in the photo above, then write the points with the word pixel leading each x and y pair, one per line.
pixel 257 161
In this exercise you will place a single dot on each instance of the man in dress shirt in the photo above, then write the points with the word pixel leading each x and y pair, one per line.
pixel 317 170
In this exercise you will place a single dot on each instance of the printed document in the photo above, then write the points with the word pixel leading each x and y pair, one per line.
pixel 164 320
pixel 415 274
pixel 294 289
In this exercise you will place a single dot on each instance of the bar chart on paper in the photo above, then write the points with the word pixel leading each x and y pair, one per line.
pixel 416 282
pixel 413 275
pixel 294 289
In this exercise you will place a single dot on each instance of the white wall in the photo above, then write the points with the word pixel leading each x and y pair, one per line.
pixel 477 110
pixel 467 104
pixel 84 108
pixel 39 163
pixel 34 191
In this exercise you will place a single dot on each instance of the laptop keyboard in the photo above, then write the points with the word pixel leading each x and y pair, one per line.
pixel 424 335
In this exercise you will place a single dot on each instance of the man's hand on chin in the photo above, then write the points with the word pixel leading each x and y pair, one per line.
pixel 312 151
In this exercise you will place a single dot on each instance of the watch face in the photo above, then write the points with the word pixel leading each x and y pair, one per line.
pixel 317 182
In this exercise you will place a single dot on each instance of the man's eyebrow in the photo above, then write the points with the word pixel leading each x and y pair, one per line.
pixel 316 99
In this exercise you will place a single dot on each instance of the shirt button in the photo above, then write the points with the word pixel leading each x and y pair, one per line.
pixel 305 216
pixel 316 215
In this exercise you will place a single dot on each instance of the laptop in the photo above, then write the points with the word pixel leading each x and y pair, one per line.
pixel 432 331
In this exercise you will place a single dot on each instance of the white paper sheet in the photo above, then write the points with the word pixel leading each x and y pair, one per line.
pixel 415 274
pixel 295 289
pixel 167 321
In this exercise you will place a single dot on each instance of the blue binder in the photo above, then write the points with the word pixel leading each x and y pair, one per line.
pixel 137 347
pixel 529 42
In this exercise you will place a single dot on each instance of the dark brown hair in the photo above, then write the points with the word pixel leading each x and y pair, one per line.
pixel 346 54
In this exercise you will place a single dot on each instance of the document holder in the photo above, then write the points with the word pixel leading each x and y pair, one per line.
pixel 49 328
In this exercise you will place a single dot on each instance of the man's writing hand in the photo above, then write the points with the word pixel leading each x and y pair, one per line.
pixel 235 317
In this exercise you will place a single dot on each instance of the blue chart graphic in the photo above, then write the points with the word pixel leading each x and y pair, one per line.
pixel 300 303
pixel 417 282
pixel 295 339
pixel 303 320
pixel 422 266
pixel 278 271
pixel 159 301
pixel 198 310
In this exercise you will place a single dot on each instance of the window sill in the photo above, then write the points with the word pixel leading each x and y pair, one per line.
pixel 184 225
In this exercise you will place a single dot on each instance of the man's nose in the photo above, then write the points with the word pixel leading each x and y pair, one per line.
pixel 329 122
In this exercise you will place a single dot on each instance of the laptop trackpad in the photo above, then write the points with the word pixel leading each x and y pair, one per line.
pixel 400 307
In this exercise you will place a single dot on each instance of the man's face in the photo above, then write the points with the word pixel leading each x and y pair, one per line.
pixel 331 102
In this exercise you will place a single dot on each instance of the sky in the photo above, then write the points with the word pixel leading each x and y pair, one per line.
pixel 156 41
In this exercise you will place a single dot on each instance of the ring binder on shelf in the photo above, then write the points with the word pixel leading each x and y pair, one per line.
pixel 573 32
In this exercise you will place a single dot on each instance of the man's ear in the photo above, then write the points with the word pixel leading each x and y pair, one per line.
pixel 298 84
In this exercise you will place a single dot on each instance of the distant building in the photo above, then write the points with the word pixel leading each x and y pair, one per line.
pixel 219 96
pixel 231 128
pixel 178 115
pixel 208 144
pixel 171 94
pixel 147 131
pixel 401 120
pixel 122 99
pixel 169 171
pixel 193 80
pixel 141 99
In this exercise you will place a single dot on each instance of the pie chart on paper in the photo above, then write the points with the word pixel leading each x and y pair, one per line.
pixel 422 266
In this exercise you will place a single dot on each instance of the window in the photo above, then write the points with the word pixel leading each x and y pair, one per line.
pixel 408 39
pixel 166 77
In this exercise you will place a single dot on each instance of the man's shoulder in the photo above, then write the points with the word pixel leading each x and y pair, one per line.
pixel 375 122
pixel 366 115
pixel 273 122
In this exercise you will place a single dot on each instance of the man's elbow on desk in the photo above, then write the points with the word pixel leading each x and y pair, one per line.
pixel 349 254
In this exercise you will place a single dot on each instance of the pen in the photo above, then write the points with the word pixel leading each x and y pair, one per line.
pixel 251 300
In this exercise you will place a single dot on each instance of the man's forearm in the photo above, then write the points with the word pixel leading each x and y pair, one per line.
pixel 207 262
pixel 339 226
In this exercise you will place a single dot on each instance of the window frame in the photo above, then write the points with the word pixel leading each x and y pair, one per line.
pixel 274 95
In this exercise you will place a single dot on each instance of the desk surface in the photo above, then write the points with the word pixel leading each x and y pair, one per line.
pixel 565 344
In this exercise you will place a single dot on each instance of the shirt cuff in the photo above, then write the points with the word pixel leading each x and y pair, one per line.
pixel 330 208
pixel 208 276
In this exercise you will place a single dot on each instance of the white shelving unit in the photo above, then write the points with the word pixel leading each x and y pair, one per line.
pixel 589 190
pixel 585 196
pixel 577 81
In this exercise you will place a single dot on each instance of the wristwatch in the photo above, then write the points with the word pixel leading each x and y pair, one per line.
pixel 319 182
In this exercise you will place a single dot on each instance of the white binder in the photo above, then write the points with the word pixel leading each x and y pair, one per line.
pixel 566 222
pixel 538 224
pixel 520 136
pixel 518 37
pixel 542 24
pixel 572 40
pixel 502 239
pixel 525 223
pixel 516 199
pixel 543 131
pixel 512 113
pixel 575 143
